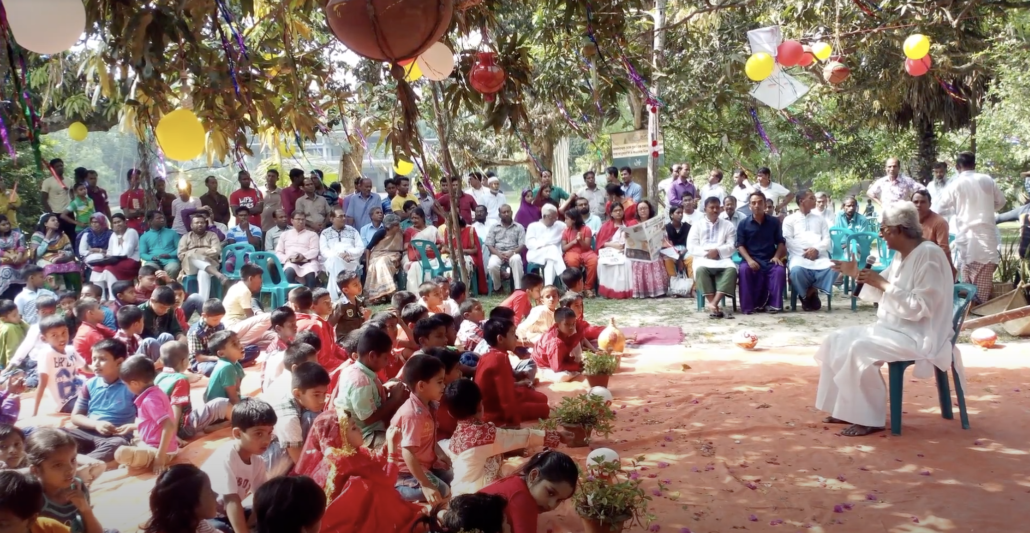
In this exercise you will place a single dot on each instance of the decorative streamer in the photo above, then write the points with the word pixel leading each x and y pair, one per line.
pixel 950 89
pixel 862 4
pixel 7 141
pixel 525 146
pixel 228 56
pixel 584 132
pixel 15 58
pixel 227 15
pixel 761 131
pixel 364 144
pixel 797 124
pixel 829 136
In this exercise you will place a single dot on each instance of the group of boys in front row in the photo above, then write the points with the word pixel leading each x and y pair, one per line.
pixel 430 394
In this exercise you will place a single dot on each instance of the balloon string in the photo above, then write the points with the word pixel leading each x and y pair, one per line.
pixel 950 89
pixel 364 144
pixel 761 131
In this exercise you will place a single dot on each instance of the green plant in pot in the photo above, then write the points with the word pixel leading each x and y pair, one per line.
pixel 582 416
pixel 608 502
pixel 598 367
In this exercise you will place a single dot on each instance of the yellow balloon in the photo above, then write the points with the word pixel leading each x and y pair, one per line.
pixel 287 149
pixel 821 51
pixel 331 177
pixel 412 72
pixel 403 167
pixel 181 135
pixel 759 66
pixel 917 46
pixel 78 131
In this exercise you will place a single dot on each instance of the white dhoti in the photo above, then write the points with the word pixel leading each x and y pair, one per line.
pixel 494 265
pixel 551 259
pixel 333 266
pixel 851 387
pixel 203 277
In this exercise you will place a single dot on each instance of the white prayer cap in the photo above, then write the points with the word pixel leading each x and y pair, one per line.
pixel 493 179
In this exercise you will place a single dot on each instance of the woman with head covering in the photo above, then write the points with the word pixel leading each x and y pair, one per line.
pixel 13 256
pixel 52 250
pixel 384 257
pixel 93 241
pixel 528 212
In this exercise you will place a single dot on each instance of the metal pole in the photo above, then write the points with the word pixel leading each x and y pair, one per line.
pixel 653 128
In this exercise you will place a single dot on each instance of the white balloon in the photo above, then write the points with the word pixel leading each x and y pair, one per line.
pixel 602 455
pixel 437 62
pixel 602 392
pixel 46 26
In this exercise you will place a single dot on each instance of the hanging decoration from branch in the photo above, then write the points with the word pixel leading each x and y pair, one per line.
pixel 777 89
pixel 487 77
pixel 389 30
pixel 761 131
pixel 46 26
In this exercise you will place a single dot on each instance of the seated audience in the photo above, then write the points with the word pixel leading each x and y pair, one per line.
pixel 849 218
pixel 426 471
pixel 650 280
pixel 26 357
pixel 48 450
pixel 711 243
pixel 159 245
pixel 289 505
pixel 27 300
pixel 506 241
pixel 330 355
pixel 935 227
pixel 58 367
pixel 539 486
pixel 761 274
pixel 156 421
pixel 239 299
pixel 577 245
pixel 574 300
pixel 505 402
pixel 296 402
pixel 104 415
pixel 676 258
pixel 540 318
pixel 521 300
pixel 200 253
pixel 340 249
pixel 202 359
pixel 227 374
pixel 808 249
pixel 543 243
pixel 614 274
pixel 52 250
pixel 384 258
pixel 298 251
pixel 245 232
pixel 172 379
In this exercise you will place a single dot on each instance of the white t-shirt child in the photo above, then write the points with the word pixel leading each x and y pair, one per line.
pixel 230 475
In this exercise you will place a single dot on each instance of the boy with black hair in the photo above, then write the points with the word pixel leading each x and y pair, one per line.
pixel 227 374
pixel 412 313
pixel 449 325
pixel 430 333
pixel 452 367
pixel 456 292
pixel 66 307
pixel 26 355
pixel 322 303
pixel 296 407
pixel 158 317
pixel 477 448
pixel 34 289
pixel 122 293
pixel 402 298
pixel 22 501
pixel 296 354
pixel 90 331
pixel 426 472
pixel 572 279
pixel 59 366
pixel 236 469
pixel 330 355
pixel 92 290
pixel 470 334
pixel 559 353
pixel 175 383
pixel 104 415
pixel 521 300
pixel 362 393
pixel 349 312
pixel 156 420
pixel 12 330
pixel 239 299
pixel 431 295
pixel 202 360
pixel 574 300
pixel 284 326
pixel 540 318
pixel 130 325
pixel 505 403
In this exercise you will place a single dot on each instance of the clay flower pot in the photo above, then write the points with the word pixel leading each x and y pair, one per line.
pixel 591 525
pixel 580 435
pixel 599 380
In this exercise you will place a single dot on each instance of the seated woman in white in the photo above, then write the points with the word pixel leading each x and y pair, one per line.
pixel 614 275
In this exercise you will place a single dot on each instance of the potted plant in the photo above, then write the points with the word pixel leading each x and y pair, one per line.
pixel 598 367
pixel 581 415
pixel 607 501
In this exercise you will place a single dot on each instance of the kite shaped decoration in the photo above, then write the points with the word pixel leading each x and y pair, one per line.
pixel 779 89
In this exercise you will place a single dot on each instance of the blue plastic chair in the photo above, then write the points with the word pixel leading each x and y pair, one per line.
pixel 886 256
pixel 421 247
pixel 839 237
pixel 238 251
pixel 701 299
pixel 861 245
pixel 963 297
pixel 278 291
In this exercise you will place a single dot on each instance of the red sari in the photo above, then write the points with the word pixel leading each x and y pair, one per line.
pixel 470 246
pixel 360 487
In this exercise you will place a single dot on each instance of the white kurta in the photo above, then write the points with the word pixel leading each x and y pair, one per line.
pixel 543 246
pixel 974 198
pixel 477 466
pixel 340 251
pixel 706 236
pixel 914 323
pixel 709 191
pixel 807 231
pixel 492 202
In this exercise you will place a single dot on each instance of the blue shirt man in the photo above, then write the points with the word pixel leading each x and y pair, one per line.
pixel 761 275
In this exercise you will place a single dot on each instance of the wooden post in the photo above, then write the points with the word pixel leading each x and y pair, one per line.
pixel 1013 314
pixel 454 229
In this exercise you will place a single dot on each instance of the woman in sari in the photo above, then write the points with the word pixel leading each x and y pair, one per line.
pixel 92 242
pixel 384 256
pixel 614 274
pixel 121 259
pixel 412 261
pixel 543 197
pixel 472 247
pixel 577 246
pixel 650 279
pixel 52 250
pixel 13 257
pixel 359 487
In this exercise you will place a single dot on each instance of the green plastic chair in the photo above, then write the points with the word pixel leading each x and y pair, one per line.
pixel 421 246
pixel 278 291
pixel 860 244
pixel 963 297
pixel 701 299
pixel 238 251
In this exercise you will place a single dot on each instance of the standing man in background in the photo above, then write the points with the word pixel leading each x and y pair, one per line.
pixel 249 197
pixel 97 194
pixel 133 202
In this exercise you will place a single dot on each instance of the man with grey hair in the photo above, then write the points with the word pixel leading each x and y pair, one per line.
pixel 894 187
pixel 340 248
pixel 913 324
pixel 808 245
pixel 543 242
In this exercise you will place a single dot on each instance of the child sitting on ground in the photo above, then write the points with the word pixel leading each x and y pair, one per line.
pixel 66 302
pixel 361 392
pixel 426 473
pixel 34 289
pixel 448 305
pixel 156 420
pixel 539 486
pixel 12 330
pixel 458 293
pixel 521 300
pixel 182 501
pixel 91 330
pixel 398 303
pixel 59 366
pixel 146 282
pixel 295 409
pixel 177 309
pixel 574 301
pixel 284 324
pixel 430 295
pixel 322 302
pixel 540 318
pixel 123 293
pixel 51 454
pixel 559 353
pixel 12 455
pixel 289 505
pixel 505 403
pixel 389 323
pixel 348 313
pixel 470 333
pixel 26 357
pixel 159 315
pixel 202 358
pixel 477 447
pixel 330 355
pixel 104 415
pixel 173 381
pixel 430 333
pixel 572 278
pixel 92 290
pixel 445 423
pixel 227 374
pixel 21 502
pixel 236 468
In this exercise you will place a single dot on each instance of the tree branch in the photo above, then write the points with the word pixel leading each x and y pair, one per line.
pixel 710 9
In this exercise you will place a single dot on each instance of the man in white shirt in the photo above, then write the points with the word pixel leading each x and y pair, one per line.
pixel 894 187
pixel 481 223
pixel 779 194
pixel 730 212
pixel 691 215
pixel 741 190
pixel 596 197
pixel 543 243
pixel 340 249
pixel 808 246
pixel 631 188
pixel 824 208
pixel 711 242
pixel 938 184
pixel 476 187
pixel 713 188
pixel 974 198
pixel 492 200
pixel 589 218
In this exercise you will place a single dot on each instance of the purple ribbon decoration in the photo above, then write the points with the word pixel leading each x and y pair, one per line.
pixel 761 131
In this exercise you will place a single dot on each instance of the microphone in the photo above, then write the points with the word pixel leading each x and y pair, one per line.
pixel 869 262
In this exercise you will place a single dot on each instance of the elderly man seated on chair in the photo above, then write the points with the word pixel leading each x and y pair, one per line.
pixel 543 241
pixel 913 323
pixel 808 244
pixel 340 249
pixel 506 242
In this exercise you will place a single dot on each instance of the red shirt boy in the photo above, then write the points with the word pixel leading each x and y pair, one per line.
pixel 504 403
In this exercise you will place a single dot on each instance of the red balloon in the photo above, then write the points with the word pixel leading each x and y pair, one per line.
pixel 389 30
pixel 807 57
pixel 487 77
pixel 789 53
pixel 918 67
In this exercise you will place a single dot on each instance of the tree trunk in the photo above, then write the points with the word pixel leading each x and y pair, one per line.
pixel 146 179
pixel 972 135
pixel 636 109
pixel 926 136
pixel 350 163
pixel 454 228
pixel 543 148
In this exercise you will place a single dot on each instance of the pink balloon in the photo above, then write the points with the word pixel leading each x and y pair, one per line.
pixel 807 57
pixel 918 67
pixel 789 53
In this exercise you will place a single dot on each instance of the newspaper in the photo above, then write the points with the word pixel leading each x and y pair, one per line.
pixel 644 240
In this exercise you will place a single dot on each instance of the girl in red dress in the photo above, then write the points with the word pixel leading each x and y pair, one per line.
pixel 548 479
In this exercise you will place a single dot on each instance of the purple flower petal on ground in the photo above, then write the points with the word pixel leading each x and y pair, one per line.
pixel 646 410
pixel 590 478
pixel 667 481
pixel 871 497
pixel 668 438
pixel 841 478
pixel 695 401
pixel 751 485
pixel 623 406
pixel 654 527
pixel 663 445
pixel 685 530
pixel 709 467
pixel 838 508
pixel 770 390
pixel 694 469
pixel 849 506
pixel 656 492
pixel 915 520
pixel 634 476
pixel 663 464
pixel 924 473
pixel 649 401
pixel 753 518
pixel 652 476
pixel 643 468
pixel 920 455
pixel 863 468
pixel 776 522
pixel 978 443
